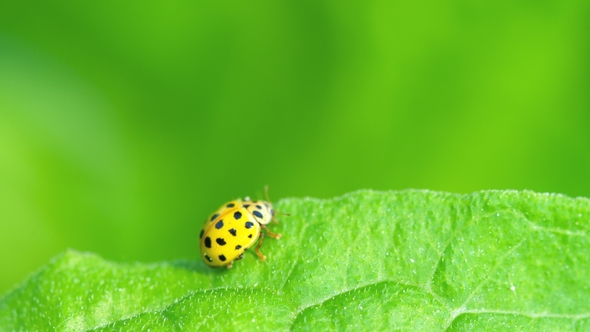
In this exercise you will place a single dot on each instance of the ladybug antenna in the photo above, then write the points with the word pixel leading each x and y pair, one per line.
pixel 273 211
pixel 266 193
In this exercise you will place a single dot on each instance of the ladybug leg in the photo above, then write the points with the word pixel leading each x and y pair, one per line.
pixel 271 234
pixel 262 257
pixel 236 259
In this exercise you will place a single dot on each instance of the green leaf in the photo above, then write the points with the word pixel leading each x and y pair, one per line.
pixel 410 260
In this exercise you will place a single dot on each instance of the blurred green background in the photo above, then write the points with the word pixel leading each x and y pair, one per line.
pixel 123 125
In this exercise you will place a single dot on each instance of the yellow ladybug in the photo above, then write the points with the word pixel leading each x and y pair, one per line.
pixel 233 229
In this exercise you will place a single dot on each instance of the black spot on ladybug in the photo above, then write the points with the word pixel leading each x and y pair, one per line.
pixel 250 236
pixel 208 242
pixel 202 232
pixel 266 204
pixel 219 224
pixel 272 212
pixel 220 241
pixel 238 215
pixel 233 231
pixel 213 217
pixel 208 258
pixel 238 247
pixel 222 258
pixel 258 207
pixel 246 206
pixel 249 224
pixel 230 205
pixel 257 214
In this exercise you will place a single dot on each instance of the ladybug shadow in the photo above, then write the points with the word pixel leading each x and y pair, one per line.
pixel 197 266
